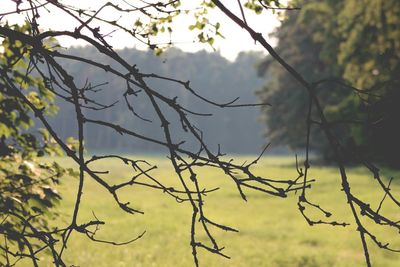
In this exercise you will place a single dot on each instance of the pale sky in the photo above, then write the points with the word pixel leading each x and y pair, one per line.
pixel 236 40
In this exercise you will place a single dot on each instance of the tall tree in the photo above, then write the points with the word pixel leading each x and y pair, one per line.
pixel 303 40
pixel 355 49
pixel 369 53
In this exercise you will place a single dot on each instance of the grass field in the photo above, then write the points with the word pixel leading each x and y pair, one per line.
pixel 272 231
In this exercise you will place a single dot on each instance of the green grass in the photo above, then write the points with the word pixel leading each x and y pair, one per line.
pixel 272 231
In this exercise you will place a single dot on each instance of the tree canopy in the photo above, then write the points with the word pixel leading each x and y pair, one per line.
pixel 350 50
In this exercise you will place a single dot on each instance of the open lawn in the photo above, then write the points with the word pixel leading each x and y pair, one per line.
pixel 272 230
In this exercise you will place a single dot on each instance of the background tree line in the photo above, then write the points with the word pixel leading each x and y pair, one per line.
pixel 236 130
pixel 350 50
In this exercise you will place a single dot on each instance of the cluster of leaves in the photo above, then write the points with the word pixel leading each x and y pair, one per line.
pixel 205 28
pixel 260 5
pixel 357 44
pixel 155 19
pixel 26 184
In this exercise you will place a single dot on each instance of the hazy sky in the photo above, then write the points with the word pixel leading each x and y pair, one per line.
pixel 236 39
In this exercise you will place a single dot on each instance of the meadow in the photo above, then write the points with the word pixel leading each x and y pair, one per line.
pixel 272 230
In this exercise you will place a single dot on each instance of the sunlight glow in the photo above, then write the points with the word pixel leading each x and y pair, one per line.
pixel 235 41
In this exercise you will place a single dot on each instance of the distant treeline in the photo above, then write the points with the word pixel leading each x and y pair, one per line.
pixel 237 130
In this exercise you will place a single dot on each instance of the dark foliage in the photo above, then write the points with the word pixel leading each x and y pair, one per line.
pixel 348 50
